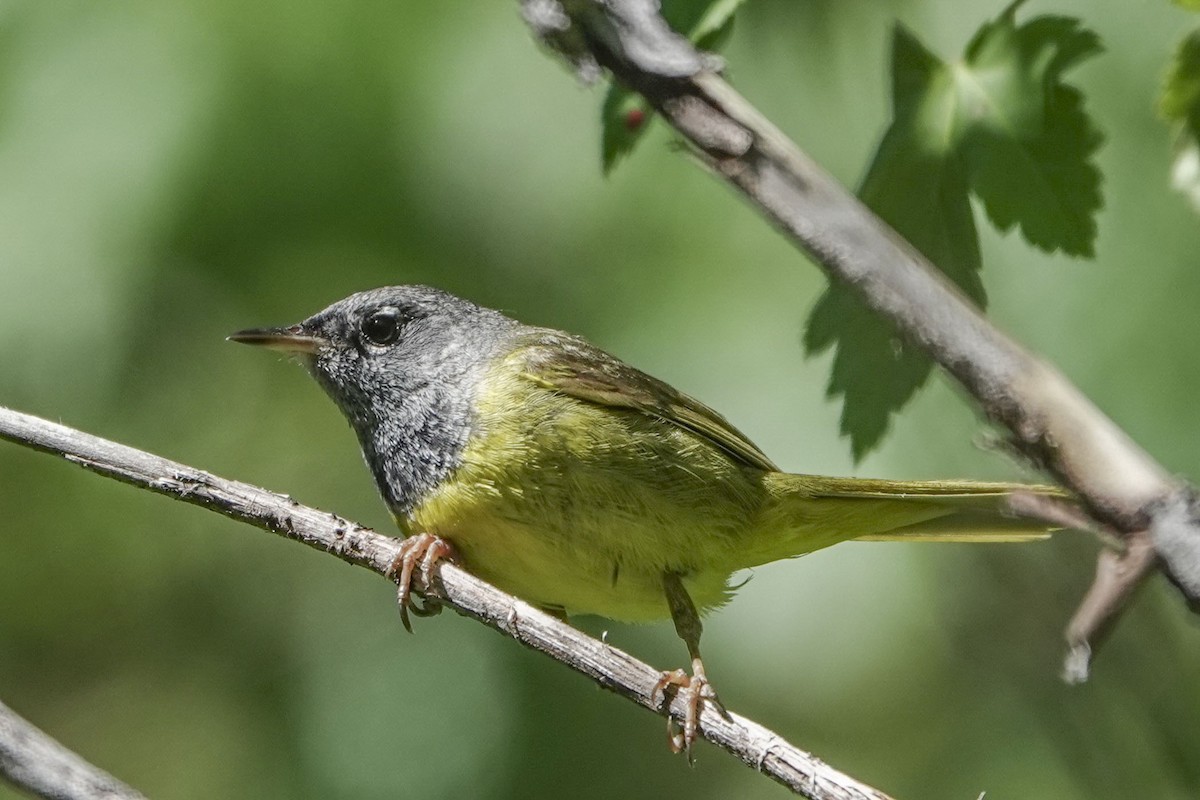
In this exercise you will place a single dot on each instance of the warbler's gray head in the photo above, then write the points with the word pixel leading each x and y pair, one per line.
pixel 403 363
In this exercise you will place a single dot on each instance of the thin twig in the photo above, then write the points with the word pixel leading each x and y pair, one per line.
pixel 1118 575
pixel 38 764
pixel 1064 514
pixel 613 669
pixel 1052 423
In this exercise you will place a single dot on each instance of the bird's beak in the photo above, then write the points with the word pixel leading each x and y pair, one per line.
pixel 293 339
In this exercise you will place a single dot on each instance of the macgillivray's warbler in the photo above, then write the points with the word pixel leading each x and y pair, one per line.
pixel 568 478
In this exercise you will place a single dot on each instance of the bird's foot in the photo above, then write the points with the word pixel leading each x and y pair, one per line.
pixel 426 550
pixel 696 688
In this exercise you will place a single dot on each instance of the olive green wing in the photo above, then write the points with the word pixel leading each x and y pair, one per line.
pixel 569 365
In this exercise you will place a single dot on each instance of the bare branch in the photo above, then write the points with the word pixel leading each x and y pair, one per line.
pixel 1052 423
pixel 613 669
pixel 38 764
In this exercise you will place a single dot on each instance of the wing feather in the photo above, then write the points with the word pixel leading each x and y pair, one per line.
pixel 570 365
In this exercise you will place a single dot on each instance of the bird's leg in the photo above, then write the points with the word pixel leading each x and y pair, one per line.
pixel 696 685
pixel 425 549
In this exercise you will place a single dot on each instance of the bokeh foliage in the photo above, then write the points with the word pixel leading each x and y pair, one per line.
pixel 170 172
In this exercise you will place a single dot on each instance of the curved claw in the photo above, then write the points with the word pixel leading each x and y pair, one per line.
pixel 681 737
pixel 426 549
pixel 428 607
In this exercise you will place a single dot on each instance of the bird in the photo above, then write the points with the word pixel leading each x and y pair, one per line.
pixel 564 476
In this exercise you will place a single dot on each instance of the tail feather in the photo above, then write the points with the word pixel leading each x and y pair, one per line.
pixel 970 492
pixel 967 526
pixel 811 512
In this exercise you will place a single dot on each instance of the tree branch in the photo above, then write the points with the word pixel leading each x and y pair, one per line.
pixel 1052 423
pixel 38 764
pixel 613 669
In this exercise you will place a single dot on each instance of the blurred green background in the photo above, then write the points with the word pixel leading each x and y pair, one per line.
pixel 170 172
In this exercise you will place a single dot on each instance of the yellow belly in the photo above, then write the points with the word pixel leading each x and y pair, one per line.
pixel 586 509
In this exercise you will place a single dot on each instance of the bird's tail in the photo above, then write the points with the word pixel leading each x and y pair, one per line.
pixel 808 512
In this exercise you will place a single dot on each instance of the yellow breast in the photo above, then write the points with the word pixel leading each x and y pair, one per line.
pixel 570 504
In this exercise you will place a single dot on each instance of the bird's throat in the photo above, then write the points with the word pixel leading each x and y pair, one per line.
pixel 412 443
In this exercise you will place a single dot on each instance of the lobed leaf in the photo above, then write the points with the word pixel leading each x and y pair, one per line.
pixel 998 123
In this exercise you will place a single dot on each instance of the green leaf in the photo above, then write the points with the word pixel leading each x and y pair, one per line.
pixel 865 346
pixel 1190 5
pixel 1180 100
pixel 1180 104
pixel 625 116
pixel 998 123
pixel 920 188
pixel 698 19
pixel 711 29
pixel 1024 135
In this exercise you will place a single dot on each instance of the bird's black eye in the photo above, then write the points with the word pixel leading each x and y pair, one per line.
pixel 382 326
